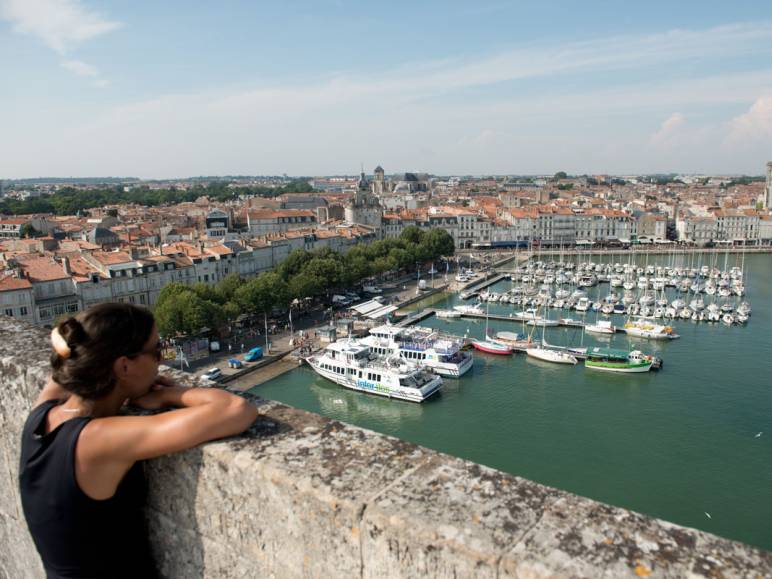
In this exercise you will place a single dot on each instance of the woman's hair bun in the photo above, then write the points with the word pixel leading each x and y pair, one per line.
pixel 72 332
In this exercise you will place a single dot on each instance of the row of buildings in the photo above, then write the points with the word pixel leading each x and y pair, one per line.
pixel 128 253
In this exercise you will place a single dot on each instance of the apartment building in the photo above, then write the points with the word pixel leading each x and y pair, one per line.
pixel 265 221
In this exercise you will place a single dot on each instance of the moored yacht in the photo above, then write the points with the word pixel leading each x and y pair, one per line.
pixel 551 355
pixel 600 327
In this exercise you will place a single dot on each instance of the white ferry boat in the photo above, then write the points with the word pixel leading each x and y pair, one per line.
pixel 422 346
pixel 352 365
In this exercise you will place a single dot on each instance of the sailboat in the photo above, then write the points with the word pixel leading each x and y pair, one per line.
pixel 547 354
pixel 490 346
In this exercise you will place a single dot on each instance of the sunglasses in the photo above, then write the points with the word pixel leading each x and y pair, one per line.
pixel 156 351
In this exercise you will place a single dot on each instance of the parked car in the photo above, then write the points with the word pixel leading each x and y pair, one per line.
pixel 254 354
pixel 235 364
pixel 212 374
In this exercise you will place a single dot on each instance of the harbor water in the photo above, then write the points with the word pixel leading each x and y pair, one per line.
pixel 681 444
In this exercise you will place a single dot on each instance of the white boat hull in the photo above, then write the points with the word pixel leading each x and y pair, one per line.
pixel 450 370
pixel 630 370
pixel 368 387
pixel 551 356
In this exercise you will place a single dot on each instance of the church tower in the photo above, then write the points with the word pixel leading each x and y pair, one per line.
pixel 364 209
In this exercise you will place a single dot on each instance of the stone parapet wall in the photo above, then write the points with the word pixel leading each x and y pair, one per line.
pixel 304 496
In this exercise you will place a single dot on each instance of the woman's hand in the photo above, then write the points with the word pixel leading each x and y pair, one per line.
pixel 162 381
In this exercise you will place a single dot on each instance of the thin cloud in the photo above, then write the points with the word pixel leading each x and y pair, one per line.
pixel 79 68
pixel 669 129
pixel 61 24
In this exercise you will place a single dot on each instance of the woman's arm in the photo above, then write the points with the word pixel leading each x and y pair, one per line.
pixel 108 447
pixel 51 391
pixel 205 414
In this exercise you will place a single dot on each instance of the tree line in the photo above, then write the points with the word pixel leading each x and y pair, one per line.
pixel 191 309
pixel 69 200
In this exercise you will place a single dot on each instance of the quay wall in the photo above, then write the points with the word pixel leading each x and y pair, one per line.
pixel 301 495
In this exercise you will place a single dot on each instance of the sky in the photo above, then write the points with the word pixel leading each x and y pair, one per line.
pixel 182 88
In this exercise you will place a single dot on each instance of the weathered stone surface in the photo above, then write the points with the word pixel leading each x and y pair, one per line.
pixel 303 496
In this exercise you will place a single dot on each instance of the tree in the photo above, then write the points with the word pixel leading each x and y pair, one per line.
pixel 207 292
pixel 296 260
pixel 228 286
pixel 180 310
pixel 412 234
pixel 262 293
pixel 560 175
pixel 305 285
pixel 439 243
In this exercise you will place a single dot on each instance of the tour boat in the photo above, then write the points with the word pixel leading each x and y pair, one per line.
pixel 440 353
pixel 350 364
pixel 643 328
pixel 610 360
pixel 600 327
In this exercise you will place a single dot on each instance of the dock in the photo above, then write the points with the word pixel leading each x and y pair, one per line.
pixel 415 317
pixel 520 319
pixel 476 287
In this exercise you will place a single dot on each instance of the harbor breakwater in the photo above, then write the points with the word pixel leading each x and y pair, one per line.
pixel 303 496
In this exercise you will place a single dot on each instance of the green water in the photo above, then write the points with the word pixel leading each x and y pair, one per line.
pixel 674 444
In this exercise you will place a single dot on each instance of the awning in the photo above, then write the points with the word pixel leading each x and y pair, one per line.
pixel 382 312
pixel 366 307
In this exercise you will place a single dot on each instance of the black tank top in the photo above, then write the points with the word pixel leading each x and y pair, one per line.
pixel 76 535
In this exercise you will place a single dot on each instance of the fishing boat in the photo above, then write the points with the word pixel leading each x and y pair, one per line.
pixel 644 328
pixel 350 364
pixel 611 360
pixel 600 327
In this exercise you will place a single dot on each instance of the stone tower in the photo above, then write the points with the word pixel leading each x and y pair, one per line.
pixel 364 209
pixel 379 184
pixel 768 190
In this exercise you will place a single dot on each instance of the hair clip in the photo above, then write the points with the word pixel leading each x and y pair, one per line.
pixel 60 344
